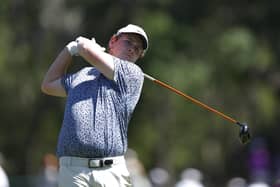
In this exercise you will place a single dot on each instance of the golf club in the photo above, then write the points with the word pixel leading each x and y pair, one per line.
pixel 244 134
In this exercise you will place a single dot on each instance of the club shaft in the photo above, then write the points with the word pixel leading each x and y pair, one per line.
pixel 195 101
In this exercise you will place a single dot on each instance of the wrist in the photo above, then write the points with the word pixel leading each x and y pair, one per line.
pixel 72 48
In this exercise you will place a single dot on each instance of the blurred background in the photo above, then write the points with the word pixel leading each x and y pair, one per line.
pixel 224 53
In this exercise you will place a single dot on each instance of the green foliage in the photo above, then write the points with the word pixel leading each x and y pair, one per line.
pixel 218 53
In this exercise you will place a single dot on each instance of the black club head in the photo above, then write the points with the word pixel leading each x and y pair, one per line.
pixel 244 133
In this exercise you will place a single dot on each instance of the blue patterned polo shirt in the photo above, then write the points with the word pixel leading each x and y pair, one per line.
pixel 98 110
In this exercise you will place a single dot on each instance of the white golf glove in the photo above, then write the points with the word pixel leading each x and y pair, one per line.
pixel 72 48
pixel 92 43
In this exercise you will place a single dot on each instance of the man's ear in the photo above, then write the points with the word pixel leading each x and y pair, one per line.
pixel 113 39
pixel 142 55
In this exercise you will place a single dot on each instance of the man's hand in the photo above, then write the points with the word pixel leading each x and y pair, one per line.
pixel 72 48
pixel 83 42
pixel 93 53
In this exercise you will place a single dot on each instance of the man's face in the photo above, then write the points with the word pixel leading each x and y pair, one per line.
pixel 127 47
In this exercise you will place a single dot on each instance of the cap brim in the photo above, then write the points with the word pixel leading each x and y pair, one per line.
pixel 144 41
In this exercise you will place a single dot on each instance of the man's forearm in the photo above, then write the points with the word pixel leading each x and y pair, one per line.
pixel 59 66
pixel 51 84
pixel 95 55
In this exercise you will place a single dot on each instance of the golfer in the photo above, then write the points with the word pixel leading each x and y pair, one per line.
pixel 100 101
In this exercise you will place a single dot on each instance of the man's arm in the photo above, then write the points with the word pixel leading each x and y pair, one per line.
pixel 95 55
pixel 51 84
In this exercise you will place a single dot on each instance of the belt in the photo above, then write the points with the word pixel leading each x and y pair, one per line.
pixel 90 162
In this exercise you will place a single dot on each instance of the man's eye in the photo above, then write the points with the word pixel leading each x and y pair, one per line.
pixel 127 42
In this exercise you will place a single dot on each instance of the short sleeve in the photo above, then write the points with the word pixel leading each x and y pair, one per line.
pixel 129 77
pixel 66 81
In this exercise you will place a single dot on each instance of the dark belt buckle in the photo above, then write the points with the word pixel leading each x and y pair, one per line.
pixel 108 162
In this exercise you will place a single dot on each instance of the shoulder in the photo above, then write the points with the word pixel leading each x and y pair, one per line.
pixel 128 74
pixel 86 71
pixel 126 67
pixel 85 74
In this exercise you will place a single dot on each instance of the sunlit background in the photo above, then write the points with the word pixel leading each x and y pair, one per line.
pixel 224 53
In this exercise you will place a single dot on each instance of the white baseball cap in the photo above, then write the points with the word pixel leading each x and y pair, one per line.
pixel 130 28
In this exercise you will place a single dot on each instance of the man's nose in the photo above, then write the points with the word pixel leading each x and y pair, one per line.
pixel 131 49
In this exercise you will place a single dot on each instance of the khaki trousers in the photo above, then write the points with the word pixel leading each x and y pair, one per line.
pixel 84 172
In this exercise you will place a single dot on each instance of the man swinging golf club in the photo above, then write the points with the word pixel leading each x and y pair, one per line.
pixel 100 102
